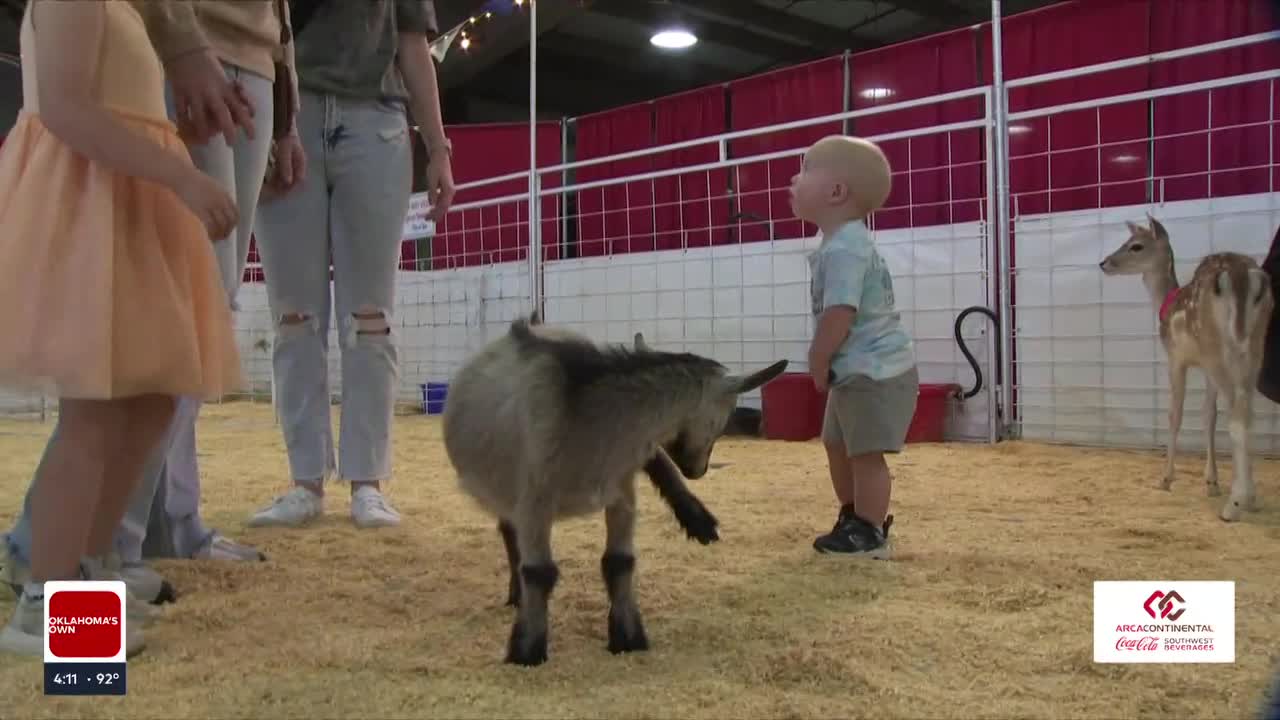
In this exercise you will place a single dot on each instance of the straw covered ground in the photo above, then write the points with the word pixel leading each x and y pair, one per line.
pixel 986 613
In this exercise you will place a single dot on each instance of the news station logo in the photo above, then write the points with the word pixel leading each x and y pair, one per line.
pixel 84 637
pixel 1164 622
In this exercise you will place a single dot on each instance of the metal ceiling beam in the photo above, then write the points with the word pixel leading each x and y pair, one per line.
pixel 761 18
pixel 595 51
pixel 655 15
pixel 950 11
pixel 570 86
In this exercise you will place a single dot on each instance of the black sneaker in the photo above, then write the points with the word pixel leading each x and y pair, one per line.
pixel 854 536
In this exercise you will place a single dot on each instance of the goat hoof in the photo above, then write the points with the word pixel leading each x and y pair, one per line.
pixel 698 522
pixel 627 636
pixel 1230 511
pixel 1213 490
pixel 524 649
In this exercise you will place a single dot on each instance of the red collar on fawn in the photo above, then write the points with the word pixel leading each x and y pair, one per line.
pixel 1168 302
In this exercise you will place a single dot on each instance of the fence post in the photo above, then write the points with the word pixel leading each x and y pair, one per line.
pixel 1001 200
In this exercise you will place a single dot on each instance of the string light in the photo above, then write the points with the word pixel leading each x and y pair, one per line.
pixel 467 33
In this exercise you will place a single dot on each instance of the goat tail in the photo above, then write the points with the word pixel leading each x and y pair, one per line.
pixel 520 327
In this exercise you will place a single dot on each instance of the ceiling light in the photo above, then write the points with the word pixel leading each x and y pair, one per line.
pixel 876 93
pixel 1126 158
pixel 1019 129
pixel 673 39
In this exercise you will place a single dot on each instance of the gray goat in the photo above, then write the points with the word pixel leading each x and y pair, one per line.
pixel 543 424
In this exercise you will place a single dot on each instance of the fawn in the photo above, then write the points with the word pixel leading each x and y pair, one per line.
pixel 1217 322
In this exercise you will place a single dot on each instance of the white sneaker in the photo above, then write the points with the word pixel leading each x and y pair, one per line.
pixel 142 584
pixel 140 612
pixel 24 635
pixel 369 509
pixel 292 509
pixel 221 547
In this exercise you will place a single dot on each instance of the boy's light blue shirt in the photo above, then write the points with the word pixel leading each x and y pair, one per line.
pixel 847 269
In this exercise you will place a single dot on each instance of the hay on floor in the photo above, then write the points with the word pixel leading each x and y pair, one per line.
pixel 985 613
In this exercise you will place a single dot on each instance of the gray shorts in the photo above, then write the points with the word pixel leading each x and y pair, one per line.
pixel 871 416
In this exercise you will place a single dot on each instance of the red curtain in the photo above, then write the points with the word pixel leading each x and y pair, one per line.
pixel 497 232
pixel 761 188
pixel 1207 142
pixel 1087 158
pixel 615 218
pixel 938 178
pixel 692 209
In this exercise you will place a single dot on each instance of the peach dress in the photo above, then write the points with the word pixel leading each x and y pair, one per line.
pixel 108 283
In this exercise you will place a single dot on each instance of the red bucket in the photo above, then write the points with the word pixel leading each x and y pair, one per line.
pixel 792 408
pixel 929 425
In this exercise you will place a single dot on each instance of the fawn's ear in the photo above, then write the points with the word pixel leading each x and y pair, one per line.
pixel 1158 229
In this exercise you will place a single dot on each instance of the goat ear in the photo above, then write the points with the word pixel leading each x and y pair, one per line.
pixel 534 319
pixel 1133 228
pixel 640 343
pixel 740 385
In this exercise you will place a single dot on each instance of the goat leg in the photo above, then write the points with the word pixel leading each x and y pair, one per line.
pixel 539 574
pixel 697 521
pixel 617 566
pixel 508 532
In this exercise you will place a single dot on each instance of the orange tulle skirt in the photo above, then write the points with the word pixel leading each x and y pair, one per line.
pixel 108 284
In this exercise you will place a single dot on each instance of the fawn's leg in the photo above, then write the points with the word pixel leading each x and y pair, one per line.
pixel 1210 440
pixel 1177 394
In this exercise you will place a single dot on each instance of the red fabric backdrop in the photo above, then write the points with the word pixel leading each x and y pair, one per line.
pixel 1211 149
pixel 938 178
pixel 498 232
pixel 692 209
pixel 1201 144
pixel 797 93
pixel 614 218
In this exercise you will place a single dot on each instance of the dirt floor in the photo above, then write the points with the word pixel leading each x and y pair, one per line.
pixel 986 612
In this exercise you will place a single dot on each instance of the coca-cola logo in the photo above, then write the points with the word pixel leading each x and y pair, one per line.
pixel 1147 643
pixel 1166 603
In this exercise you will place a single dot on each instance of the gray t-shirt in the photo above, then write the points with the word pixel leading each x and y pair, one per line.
pixel 348 47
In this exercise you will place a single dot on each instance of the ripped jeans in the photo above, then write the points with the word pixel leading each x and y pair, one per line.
pixel 352 203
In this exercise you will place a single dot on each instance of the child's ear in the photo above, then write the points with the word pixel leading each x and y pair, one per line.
pixel 839 192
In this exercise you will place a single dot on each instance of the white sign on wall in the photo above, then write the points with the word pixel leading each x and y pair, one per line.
pixel 416 223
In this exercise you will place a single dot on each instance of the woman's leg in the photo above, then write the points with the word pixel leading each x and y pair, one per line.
pixel 239 168
pixel 293 242
pixel 372 174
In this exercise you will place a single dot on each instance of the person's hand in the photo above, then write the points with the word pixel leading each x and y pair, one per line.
pixel 820 372
pixel 289 166
pixel 440 189
pixel 205 100
pixel 209 202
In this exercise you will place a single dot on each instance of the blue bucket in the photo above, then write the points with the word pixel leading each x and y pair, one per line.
pixel 433 397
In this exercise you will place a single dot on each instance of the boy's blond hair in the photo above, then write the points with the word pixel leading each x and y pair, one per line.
pixel 858 163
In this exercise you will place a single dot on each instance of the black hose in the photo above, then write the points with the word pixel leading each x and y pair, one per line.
pixel 973 363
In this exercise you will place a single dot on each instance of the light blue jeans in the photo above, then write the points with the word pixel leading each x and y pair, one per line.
pixel 352 204
pixel 165 509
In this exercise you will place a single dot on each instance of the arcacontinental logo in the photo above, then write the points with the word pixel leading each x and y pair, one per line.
pixel 1166 603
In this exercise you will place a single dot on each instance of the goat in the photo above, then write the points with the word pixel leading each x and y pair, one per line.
pixel 542 424
pixel 1217 322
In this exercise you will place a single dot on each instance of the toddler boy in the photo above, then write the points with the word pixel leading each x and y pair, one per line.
pixel 861 355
